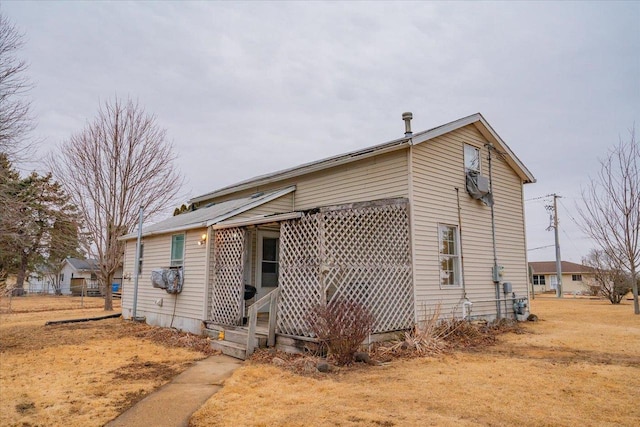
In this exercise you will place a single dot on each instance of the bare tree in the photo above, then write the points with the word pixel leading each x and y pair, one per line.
pixel 15 117
pixel 611 280
pixel 117 164
pixel 610 208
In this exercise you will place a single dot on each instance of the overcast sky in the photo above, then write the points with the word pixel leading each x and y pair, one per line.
pixel 248 88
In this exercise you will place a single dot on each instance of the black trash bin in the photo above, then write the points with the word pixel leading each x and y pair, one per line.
pixel 249 292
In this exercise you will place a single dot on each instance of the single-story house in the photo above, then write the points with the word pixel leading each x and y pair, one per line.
pixel 434 218
pixel 78 275
pixel 575 277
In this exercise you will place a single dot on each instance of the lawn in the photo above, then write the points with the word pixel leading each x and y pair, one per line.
pixel 80 374
pixel 579 365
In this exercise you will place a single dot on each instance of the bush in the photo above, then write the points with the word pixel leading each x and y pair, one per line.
pixel 341 326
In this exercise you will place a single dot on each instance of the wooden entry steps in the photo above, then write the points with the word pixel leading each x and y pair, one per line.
pixel 234 343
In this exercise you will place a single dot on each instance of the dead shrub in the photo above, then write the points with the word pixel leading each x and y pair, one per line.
pixel 424 339
pixel 341 326
pixel 434 335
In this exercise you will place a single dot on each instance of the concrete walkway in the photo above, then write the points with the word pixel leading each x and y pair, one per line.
pixel 174 403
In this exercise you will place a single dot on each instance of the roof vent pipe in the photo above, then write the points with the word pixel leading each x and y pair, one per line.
pixel 407 123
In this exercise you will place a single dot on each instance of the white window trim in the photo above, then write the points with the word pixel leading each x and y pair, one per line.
pixel 261 235
pixel 184 244
pixel 457 262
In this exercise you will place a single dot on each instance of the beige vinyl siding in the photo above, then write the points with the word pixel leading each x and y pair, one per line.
pixel 437 170
pixel 189 304
pixel 377 177
pixel 280 205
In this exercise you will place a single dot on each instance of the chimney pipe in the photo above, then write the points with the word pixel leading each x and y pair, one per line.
pixel 407 123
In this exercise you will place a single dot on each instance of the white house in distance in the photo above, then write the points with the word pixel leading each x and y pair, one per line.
pixel 432 218
pixel 575 277
pixel 78 274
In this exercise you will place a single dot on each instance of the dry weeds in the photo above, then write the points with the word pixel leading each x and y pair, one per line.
pixel 579 365
pixel 82 374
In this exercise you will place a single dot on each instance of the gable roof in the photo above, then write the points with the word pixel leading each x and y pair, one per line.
pixel 417 138
pixel 210 214
pixel 83 264
pixel 549 267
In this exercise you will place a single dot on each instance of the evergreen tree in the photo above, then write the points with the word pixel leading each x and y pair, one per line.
pixel 39 225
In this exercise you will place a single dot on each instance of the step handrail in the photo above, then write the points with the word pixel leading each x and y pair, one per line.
pixel 272 299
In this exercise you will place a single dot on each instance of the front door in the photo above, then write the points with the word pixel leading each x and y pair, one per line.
pixel 553 282
pixel 268 260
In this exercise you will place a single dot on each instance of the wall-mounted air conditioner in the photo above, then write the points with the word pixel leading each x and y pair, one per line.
pixel 170 279
pixel 478 187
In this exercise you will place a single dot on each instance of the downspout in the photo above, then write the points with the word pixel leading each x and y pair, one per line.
pixel 466 304
pixel 136 266
pixel 496 279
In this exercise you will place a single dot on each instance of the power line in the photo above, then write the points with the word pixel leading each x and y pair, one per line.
pixel 540 247
pixel 538 198
pixel 569 213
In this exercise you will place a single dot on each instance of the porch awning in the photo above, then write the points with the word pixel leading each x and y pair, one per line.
pixel 209 215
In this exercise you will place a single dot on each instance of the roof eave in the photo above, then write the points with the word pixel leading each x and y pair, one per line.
pixel 217 219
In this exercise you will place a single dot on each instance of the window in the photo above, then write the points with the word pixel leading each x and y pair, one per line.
pixel 538 279
pixel 449 255
pixel 269 262
pixel 177 250
pixel 471 158
pixel 576 277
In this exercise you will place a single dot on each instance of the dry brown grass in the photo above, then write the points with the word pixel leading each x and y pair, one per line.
pixel 80 374
pixel 35 303
pixel 579 365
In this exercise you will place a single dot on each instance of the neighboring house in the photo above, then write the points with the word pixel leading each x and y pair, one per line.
pixel 392 227
pixel 575 277
pixel 79 275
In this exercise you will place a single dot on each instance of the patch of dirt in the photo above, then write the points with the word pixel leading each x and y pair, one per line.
pixel 140 370
pixel 174 338
pixel 23 408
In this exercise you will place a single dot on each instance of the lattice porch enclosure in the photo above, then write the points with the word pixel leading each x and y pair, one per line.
pixel 359 252
pixel 227 288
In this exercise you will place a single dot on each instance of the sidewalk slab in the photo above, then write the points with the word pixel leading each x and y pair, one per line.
pixel 173 404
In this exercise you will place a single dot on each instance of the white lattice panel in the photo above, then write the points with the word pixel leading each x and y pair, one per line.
pixel 227 288
pixel 360 253
pixel 299 274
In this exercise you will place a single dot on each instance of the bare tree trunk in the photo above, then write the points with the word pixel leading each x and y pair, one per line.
pixel 108 295
pixel 22 273
pixel 634 280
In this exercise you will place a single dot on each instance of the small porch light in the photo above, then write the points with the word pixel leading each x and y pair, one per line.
pixel 203 239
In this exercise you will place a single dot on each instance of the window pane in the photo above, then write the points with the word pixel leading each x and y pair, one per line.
pixel 269 249
pixel 449 259
pixel 177 249
pixel 471 158
pixel 268 267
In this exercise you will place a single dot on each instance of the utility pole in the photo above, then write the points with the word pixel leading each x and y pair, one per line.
pixel 558 258
pixel 557 244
